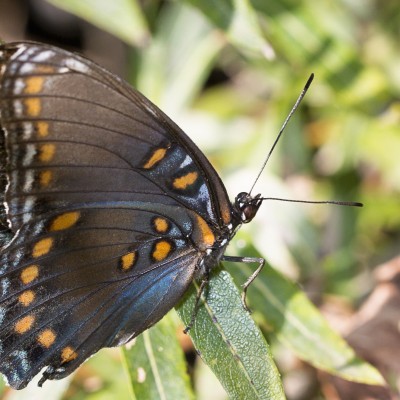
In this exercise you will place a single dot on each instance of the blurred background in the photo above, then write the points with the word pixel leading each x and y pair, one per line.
pixel 229 79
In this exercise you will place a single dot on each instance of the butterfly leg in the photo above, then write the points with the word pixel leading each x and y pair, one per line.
pixel 247 260
pixel 203 284
pixel 46 375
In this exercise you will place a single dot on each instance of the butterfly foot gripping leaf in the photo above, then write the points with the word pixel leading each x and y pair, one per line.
pixel 113 211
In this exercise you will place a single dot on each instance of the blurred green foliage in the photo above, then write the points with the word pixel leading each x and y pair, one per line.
pixel 342 143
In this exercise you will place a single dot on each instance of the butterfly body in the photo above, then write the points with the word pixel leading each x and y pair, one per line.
pixel 113 211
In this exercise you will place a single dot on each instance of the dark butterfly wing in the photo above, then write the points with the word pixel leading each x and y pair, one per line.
pixel 70 120
pixel 85 281
pixel 112 206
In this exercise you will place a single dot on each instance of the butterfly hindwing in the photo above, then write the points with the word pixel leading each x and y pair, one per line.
pixel 117 268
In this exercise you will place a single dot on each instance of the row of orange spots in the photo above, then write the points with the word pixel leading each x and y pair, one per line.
pixel 180 183
pixel 128 261
pixel 46 151
pixel 42 247
pixel 33 85
pixel 161 250
pixel 61 222
pixel 46 338
pixel 186 180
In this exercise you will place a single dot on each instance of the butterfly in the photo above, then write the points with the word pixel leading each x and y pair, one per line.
pixel 111 211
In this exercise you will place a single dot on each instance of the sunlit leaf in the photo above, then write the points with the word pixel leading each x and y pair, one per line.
pixel 228 340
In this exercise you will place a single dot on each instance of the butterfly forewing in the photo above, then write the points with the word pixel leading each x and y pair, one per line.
pixel 112 206
pixel 73 121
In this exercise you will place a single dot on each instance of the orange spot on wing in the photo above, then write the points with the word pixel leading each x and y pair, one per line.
pixel 207 235
pixel 156 157
pixel 161 250
pixel 128 261
pixel 29 274
pixel 46 338
pixel 24 324
pixel 42 247
pixel 33 84
pixel 161 225
pixel 68 354
pixel 26 298
pixel 42 129
pixel 184 181
pixel 45 178
pixel 33 106
pixel 47 152
pixel 65 221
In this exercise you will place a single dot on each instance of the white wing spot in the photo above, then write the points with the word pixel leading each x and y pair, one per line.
pixel 44 56
pixel 28 181
pixel 2 314
pixel 27 68
pixel 19 86
pixel 186 161
pixel 27 128
pixel 5 285
pixel 76 65
pixel 29 155
pixel 24 53
pixel 18 108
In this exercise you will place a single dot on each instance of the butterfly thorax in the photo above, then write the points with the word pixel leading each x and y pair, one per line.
pixel 244 209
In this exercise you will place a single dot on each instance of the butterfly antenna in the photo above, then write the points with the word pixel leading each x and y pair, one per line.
pixel 299 99
pixel 339 203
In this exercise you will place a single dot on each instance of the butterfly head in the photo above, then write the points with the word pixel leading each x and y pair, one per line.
pixel 247 206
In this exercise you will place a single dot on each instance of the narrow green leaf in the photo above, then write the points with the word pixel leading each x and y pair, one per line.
pixel 156 364
pixel 122 18
pixel 299 325
pixel 228 340
pixel 239 21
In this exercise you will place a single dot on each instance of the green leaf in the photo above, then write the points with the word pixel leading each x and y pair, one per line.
pixel 122 18
pixel 298 324
pixel 156 364
pixel 228 340
pixel 239 21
